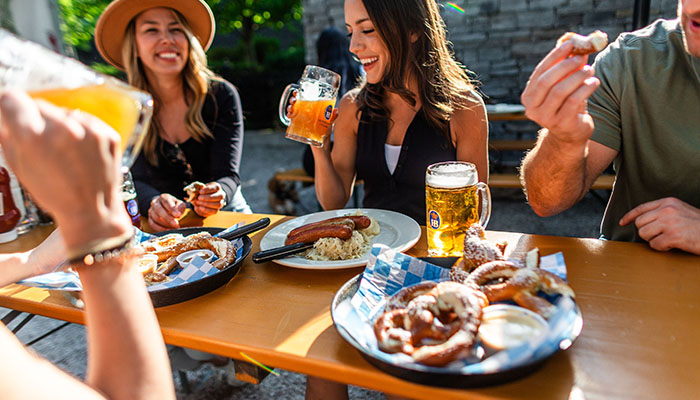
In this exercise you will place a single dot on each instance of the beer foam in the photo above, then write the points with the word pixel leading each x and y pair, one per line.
pixel 310 90
pixel 450 176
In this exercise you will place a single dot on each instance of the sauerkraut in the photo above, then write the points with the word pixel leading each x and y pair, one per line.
pixel 334 249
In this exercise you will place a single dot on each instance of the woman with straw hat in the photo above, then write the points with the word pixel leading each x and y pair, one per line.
pixel 197 130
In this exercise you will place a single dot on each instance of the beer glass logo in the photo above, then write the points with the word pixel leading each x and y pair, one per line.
pixel 434 219
pixel 329 111
pixel 132 207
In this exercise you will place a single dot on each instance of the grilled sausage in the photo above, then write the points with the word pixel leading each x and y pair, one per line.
pixel 360 221
pixel 339 229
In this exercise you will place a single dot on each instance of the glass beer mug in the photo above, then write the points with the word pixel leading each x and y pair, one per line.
pixel 452 205
pixel 67 83
pixel 311 115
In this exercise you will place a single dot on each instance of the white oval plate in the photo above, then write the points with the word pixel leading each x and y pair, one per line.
pixel 397 231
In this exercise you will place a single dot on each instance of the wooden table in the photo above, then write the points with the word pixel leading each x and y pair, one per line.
pixel 641 311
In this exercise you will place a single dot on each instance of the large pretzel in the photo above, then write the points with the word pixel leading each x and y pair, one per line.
pixel 433 323
pixel 503 280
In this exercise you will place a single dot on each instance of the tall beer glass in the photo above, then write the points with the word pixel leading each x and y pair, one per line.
pixel 452 204
pixel 317 91
pixel 65 82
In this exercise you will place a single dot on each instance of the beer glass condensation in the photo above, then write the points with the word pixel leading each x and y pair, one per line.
pixel 452 204
pixel 317 91
pixel 67 83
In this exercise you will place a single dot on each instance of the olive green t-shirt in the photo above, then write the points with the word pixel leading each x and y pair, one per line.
pixel 648 109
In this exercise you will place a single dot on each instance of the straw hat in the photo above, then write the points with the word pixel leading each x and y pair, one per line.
pixel 111 27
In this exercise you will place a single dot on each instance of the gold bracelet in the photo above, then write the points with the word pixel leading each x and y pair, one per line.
pixel 102 250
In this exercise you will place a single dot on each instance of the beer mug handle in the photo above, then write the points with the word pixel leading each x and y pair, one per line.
pixel 284 101
pixel 485 204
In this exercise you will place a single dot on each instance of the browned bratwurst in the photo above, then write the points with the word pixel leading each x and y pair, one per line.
pixel 338 229
pixel 360 221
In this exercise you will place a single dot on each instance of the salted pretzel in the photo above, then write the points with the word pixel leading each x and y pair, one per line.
pixel 477 250
pixel 434 323
pixel 503 280
pixel 583 45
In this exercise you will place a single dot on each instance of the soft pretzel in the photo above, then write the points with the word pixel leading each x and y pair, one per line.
pixel 496 280
pixel 477 250
pixel 583 45
pixel 188 243
pixel 224 250
pixel 192 190
pixel 502 280
pixel 438 324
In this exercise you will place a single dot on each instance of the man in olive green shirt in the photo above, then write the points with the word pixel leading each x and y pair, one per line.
pixel 639 107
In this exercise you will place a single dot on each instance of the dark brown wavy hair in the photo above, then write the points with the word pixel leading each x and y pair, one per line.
pixel 443 83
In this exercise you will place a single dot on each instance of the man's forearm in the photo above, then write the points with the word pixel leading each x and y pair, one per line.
pixel 553 174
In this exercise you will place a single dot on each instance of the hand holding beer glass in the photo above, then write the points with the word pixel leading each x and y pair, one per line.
pixel 67 83
pixel 316 94
pixel 452 204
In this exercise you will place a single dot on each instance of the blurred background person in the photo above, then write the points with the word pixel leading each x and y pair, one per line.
pixel 196 133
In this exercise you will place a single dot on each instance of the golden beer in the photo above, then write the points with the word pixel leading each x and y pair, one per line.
pixel 113 105
pixel 452 205
pixel 311 120
pixel 67 83
pixel 316 94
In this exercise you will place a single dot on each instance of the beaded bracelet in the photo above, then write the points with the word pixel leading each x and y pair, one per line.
pixel 104 250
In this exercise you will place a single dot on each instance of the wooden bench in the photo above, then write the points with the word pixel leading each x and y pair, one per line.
pixel 512 181
pixel 293 176
pixel 512 145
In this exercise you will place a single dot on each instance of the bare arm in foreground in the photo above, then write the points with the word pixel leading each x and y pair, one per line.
pixel 126 353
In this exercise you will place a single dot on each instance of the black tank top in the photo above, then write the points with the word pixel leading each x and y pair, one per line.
pixel 404 191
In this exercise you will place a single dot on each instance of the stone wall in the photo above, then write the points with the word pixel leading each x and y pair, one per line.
pixel 502 40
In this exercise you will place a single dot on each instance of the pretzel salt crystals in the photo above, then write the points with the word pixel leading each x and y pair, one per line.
pixel 583 45
pixel 477 250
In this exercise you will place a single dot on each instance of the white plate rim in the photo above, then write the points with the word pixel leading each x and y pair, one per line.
pixel 410 230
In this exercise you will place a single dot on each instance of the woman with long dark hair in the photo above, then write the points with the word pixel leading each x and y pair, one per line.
pixel 417 106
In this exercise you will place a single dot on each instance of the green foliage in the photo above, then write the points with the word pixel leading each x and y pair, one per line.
pixel 78 18
pixel 247 16
pixel 237 15
pixel 108 69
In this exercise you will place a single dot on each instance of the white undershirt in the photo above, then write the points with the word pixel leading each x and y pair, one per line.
pixel 391 153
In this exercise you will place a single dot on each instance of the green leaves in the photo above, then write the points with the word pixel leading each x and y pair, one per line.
pixel 78 19
pixel 237 14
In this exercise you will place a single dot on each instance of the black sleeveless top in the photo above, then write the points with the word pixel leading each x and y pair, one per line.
pixel 404 191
